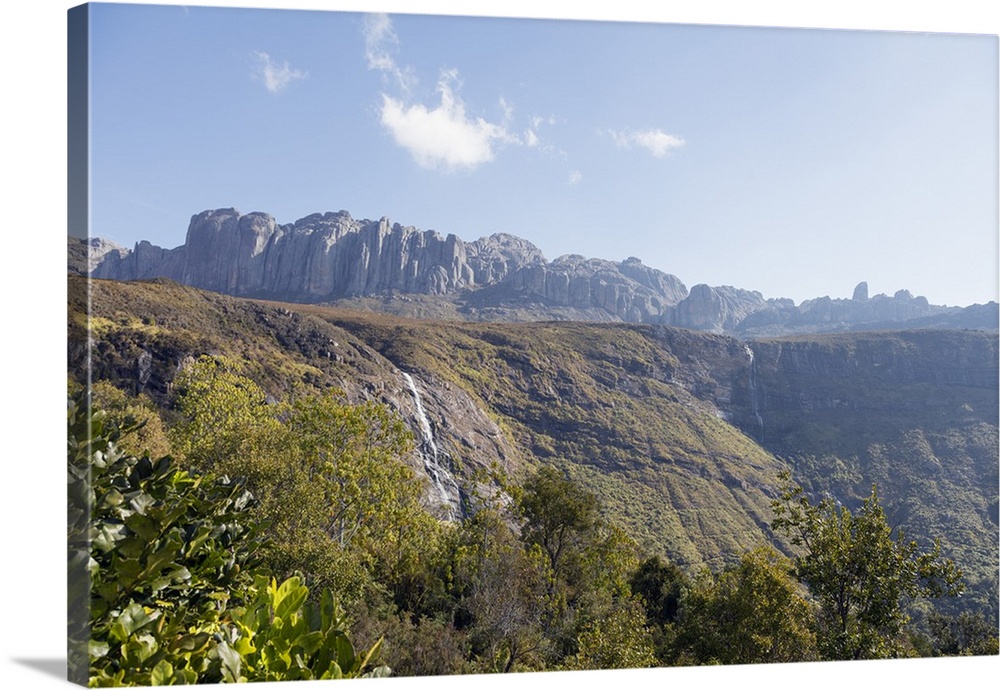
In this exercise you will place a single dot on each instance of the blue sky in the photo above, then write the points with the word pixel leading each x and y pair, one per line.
pixel 790 161
pixel 33 49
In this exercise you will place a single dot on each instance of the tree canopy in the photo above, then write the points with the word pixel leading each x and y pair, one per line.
pixel 859 571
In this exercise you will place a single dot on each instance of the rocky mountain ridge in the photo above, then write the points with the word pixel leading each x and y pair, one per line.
pixel 378 265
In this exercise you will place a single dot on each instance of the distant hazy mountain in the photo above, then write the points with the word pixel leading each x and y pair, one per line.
pixel 383 266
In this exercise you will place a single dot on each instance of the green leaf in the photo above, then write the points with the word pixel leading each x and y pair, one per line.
pixel 289 598
pixel 162 557
pixel 231 662
pixel 162 673
pixel 97 649
pixel 346 657
pixel 131 619
pixel 195 642
pixel 332 673
pixel 186 676
pixel 139 648
pixel 379 672
pixel 144 527
pixel 311 642
pixel 113 498
pixel 142 502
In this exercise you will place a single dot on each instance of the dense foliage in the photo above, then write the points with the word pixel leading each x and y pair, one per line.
pixel 535 578
pixel 859 572
pixel 177 592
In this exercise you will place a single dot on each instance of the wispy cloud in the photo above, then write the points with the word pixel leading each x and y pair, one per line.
pixel 276 77
pixel 574 177
pixel 656 141
pixel 444 136
pixel 380 43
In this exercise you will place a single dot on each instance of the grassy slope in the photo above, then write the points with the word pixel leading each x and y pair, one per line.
pixel 627 411
pixel 598 401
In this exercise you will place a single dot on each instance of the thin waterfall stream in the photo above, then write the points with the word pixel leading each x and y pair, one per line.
pixel 442 480
pixel 754 404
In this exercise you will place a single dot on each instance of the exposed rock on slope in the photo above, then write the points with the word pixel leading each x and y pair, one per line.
pixel 84 255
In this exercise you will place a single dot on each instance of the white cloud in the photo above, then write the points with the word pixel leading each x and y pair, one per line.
pixel 574 177
pixel 441 136
pixel 276 77
pixel 380 41
pixel 444 136
pixel 530 138
pixel 507 108
pixel 656 141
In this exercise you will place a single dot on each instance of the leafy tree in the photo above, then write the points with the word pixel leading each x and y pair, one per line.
pixel 966 634
pixel 224 421
pixel 149 434
pixel 361 496
pixel 503 593
pixel 859 572
pixel 588 614
pixel 617 640
pixel 747 614
pixel 660 587
pixel 416 647
pixel 176 594
pixel 167 551
pixel 558 514
pixel 329 476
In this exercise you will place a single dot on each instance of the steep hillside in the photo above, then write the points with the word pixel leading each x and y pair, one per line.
pixel 914 412
pixel 624 409
pixel 620 407
pixel 679 432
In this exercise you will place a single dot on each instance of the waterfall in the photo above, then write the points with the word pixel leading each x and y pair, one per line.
pixel 754 405
pixel 425 425
pixel 441 478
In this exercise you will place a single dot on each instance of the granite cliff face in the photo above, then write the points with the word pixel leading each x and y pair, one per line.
pixel 332 257
pixel 319 257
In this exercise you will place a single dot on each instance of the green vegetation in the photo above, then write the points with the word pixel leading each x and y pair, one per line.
pixel 752 612
pixel 913 412
pixel 601 403
pixel 859 572
pixel 620 521
pixel 177 595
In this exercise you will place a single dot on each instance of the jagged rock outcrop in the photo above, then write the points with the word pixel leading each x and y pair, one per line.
pixel 495 257
pixel 84 254
pixel 718 310
pixel 324 257
pixel 627 290
pixel 319 257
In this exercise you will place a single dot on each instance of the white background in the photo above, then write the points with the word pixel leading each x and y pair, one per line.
pixel 33 355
